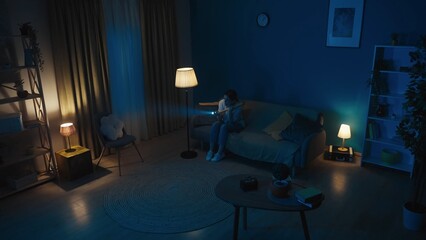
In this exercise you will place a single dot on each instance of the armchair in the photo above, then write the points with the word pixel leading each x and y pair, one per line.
pixel 118 143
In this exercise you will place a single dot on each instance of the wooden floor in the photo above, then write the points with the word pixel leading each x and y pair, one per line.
pixel 360 203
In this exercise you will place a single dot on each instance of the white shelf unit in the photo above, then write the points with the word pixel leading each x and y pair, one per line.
pixel 26 156
pixel 390 71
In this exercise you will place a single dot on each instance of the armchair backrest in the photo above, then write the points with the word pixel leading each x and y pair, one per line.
pixel 109 133
pixel 98 118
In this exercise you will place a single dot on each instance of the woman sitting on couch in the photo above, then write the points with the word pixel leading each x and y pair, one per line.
pixel 229 120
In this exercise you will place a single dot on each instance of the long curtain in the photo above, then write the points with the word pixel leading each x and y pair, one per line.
pixel 79 51
pixel 159 37
pixel 125 64
pixel 123 49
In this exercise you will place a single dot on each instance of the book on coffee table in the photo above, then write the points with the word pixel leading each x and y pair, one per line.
pixel 309 195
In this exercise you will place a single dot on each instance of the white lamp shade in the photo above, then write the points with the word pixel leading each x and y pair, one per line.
pixel 344 131
pixel 185 78
pixel 67 129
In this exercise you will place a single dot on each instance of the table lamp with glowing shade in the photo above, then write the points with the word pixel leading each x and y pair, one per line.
pixel 185 78
pixel 344 133
pixel 66 130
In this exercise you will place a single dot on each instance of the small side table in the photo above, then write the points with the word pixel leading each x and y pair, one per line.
pixel 333 153
pixel 76 164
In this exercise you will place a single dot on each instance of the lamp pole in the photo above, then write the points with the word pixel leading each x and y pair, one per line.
pixel 187 154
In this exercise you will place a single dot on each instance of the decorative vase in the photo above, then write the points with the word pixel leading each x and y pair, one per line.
pixel 413 220
pixel 381 110
pixel 280 188
pixel 28 56
pixel 394 42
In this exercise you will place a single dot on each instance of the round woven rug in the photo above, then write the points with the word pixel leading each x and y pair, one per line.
pixel 170 198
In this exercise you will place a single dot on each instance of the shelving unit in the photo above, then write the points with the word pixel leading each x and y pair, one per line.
pixel 389 80
pixel 26 156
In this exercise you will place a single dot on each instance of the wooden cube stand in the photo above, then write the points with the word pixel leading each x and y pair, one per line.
pixel 73 165
pixel 333 153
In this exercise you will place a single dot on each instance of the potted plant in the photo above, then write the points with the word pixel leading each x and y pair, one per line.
pixel 281 180
pixel 280 171
pixel 25 28
pixel 412 129
pixel 33 54
pixel 19 88
pixel 394 37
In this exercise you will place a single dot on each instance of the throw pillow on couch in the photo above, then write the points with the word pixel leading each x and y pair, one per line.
pixel 275 128
pixel 300 128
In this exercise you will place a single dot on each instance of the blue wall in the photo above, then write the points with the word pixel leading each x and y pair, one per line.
pixel 288 61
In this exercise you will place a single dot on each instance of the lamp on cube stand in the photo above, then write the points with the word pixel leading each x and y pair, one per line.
pixel 66 130
pixel 344 133
pixel 185 78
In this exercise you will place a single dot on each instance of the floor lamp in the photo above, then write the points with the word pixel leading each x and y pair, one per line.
pixel 185 78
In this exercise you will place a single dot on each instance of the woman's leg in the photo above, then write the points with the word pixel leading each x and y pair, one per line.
pixel 223 136
pixel 214 133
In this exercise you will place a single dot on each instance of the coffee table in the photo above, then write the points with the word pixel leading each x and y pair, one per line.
pixel 228 189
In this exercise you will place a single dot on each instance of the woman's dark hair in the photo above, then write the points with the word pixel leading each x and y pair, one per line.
pixel 232 94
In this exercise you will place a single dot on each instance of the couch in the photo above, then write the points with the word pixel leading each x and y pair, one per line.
pixel 274 133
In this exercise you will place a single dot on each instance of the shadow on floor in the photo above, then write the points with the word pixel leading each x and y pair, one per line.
pixel 69 185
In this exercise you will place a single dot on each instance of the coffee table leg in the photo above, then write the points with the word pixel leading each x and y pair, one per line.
pixel 236 221
pixel 245 218
pixel 305 225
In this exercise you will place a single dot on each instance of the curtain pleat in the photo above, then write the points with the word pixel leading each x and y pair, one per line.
pixel 79 52
pixel 125 64
pixel 165 111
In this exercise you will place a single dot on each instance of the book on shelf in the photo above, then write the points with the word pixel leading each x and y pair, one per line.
pixel 309 196
pixel 373 130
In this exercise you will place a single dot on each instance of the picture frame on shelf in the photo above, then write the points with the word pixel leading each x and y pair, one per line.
pixel 344 23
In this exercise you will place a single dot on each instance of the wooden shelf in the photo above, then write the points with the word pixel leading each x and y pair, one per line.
pixel 393 72
pixel 401 166
pixel 14 69
pixel 22 157
pixel 393 79
pixel 390 95
pixel 392 142
pixel 18 99
pixel 18 160
pixel 6 190
pixel 389 119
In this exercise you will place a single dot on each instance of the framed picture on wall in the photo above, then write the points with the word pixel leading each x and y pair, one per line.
pixel 344 23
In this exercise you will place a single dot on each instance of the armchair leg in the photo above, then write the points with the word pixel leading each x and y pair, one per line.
pixel 137 150
pixel 119 161
pixel 100 158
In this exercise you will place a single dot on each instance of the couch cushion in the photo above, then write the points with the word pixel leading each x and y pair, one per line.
pixel 203 120
pixel 261 114
pixel 300 128
pixel 259 146
pixel 274 129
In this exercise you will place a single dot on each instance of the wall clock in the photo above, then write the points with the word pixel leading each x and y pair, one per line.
pixel 262 19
